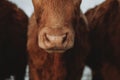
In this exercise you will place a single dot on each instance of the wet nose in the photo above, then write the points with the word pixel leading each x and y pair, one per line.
pixel 56 40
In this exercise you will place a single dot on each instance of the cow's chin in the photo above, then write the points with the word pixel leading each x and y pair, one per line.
pixel 54 49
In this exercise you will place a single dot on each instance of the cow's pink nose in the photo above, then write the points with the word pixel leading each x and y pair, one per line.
pixel 56 41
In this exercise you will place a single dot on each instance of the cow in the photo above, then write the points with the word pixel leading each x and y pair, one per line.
pixel 57 40
pixel 13 41
pixel 104 23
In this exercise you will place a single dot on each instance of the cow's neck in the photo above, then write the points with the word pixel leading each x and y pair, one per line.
pixel 52 68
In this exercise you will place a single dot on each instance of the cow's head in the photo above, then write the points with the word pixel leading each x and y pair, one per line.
pixel 56 20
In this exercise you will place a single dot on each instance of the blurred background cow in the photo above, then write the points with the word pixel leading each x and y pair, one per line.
pixel 13 32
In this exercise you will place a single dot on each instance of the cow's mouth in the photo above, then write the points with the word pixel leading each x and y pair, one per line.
pixel 55 50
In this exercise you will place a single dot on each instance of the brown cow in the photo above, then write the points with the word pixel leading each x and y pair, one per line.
pixel 13 39
pixel 57 40
pixel 104 21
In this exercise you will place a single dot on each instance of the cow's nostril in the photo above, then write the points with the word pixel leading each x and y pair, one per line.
pixel 47 38
pixel 64 38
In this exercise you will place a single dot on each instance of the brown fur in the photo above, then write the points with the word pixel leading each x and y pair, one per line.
pixel 104 21
pixel 13 38
pixel 57 66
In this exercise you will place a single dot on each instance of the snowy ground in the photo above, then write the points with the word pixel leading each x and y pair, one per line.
pixel 86 74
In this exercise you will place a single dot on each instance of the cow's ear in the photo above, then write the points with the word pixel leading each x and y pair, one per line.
pixel 37 9
pixel 36 3
pixel 77 2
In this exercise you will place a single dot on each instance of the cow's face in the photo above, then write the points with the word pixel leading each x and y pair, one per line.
pixel 56 20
